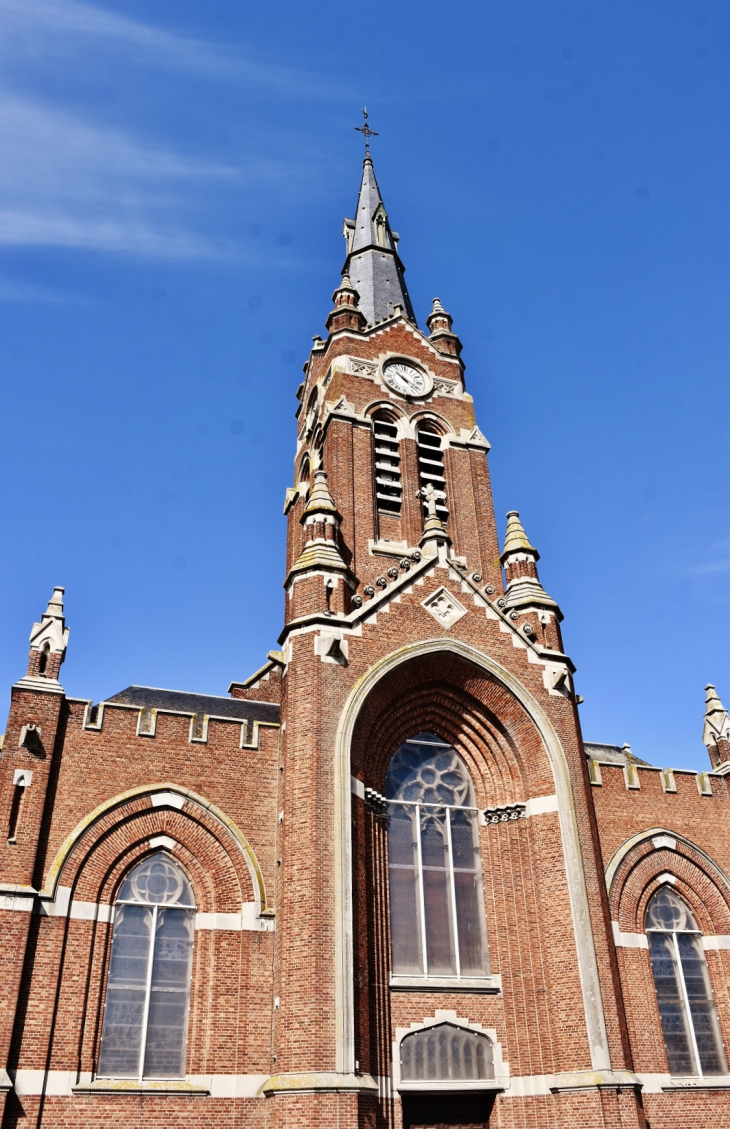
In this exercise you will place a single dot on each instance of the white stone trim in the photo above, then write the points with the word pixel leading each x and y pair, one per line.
pixel 60 1083
pixel 247 921
pixel 656 1083
pixel 18 903
pixel 541 804
pixel 167 800
pixel 715 941
pixel 575 876
pixel 667 841
pixel 628 940
pixel 572 1081
pixel 164 842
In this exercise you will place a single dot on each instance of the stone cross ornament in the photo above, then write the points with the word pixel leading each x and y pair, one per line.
pixel 431 497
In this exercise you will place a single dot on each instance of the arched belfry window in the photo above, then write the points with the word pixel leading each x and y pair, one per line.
pixel 686 1007
pixel 388 488
pixel 437 918
pixel 431 466
pixel 148 988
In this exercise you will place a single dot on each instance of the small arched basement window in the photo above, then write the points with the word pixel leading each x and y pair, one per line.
pixel 686 1007
pixel 148 988
pixel 388 488
pixel 431 465
pixel 437 920
pixel 446 1053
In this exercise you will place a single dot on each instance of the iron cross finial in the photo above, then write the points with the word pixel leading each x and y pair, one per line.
pixel 366 130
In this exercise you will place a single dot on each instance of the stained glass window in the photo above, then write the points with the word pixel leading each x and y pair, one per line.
pixel 148 988
pixel 686 1007
pixel 445 1053
pixel 437 918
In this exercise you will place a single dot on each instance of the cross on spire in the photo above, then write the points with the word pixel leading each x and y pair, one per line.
pixel 366 130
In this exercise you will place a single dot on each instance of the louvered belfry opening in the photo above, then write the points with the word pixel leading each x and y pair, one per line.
pixel 388 487
pixel 431 466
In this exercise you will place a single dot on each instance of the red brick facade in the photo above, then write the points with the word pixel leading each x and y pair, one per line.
pixel 401 618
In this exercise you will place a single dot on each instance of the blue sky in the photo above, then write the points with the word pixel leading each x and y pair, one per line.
pixel 173 182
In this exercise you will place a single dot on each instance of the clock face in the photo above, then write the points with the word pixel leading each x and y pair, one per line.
pixel 405 379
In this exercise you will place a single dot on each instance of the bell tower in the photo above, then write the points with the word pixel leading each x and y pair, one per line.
pixel 399 621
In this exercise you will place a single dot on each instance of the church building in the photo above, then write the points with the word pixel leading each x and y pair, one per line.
pixel 384 883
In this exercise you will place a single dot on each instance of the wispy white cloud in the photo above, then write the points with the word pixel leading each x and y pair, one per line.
pixel 69 180
pixel 23 21
pixel 65 183
pixel 717 562
pixel 710 568
pixel 25 292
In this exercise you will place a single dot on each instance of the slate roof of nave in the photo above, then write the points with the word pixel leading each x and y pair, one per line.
pixel 611 754
pixel 178 701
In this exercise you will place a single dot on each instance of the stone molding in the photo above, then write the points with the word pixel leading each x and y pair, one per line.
pixel 572 855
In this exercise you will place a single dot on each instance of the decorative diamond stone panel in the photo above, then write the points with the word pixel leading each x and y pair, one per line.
pixel 444 607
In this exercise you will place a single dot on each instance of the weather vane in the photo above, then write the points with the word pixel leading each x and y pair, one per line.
pixel 366 130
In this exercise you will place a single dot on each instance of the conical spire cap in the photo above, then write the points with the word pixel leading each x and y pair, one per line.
pixel 372 261
pixel 712 701
pixel 516 540
pixel 320 499
pixel 55 605
pixel 717 719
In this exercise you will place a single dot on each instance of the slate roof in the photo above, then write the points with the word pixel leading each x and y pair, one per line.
pixel 375 271
pixel 611 754
pixel 178 701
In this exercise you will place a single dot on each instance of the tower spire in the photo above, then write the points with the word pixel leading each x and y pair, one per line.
pixel 372 261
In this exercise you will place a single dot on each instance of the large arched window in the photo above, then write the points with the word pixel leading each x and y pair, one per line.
pixel 686 1007
pixel 148 989
pixel 436 899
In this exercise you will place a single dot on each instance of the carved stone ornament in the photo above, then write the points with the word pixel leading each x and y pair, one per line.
pixel 444 607
pixel 362 368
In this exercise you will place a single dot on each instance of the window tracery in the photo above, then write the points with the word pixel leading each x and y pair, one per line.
pixel 446 1053
pixel 686 1006
pixel 148 987
pixel 437 916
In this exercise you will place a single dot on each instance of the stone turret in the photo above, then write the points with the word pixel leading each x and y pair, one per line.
pixel 346 313
pixel 525 596
pixel 716 732
pixel 318 580
pixel 48 643
pixel 439 326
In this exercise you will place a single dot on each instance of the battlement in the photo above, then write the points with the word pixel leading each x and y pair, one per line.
pixel 146 705
pixel 634 776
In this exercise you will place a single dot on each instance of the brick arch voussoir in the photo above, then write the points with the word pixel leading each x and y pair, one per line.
pixel 219 885
pixel 96 857
pixel 476 713
pixel 698 881
pixel 492 768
